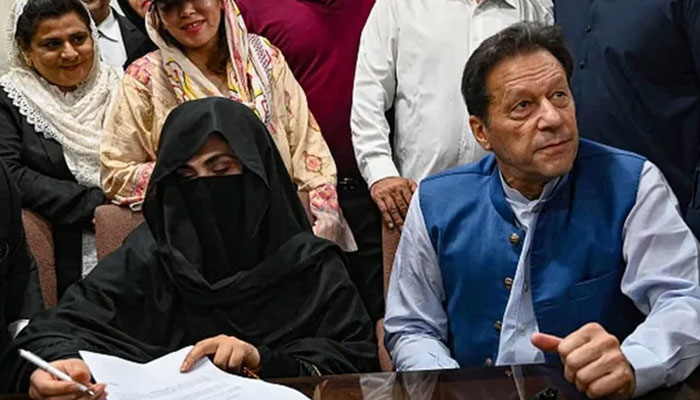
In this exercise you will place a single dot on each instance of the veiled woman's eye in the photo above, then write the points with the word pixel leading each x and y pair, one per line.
pixel 186 174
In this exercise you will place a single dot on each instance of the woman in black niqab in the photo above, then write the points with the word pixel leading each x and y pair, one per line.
pixel 226 255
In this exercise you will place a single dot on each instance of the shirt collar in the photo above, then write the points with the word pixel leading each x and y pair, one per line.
pixel 515 196
pixel 109 28
pixel 510 3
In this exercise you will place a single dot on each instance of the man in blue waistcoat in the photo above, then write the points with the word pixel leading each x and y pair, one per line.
pixel 549 248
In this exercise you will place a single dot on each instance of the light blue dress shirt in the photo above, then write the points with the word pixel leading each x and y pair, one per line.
pixel 661 279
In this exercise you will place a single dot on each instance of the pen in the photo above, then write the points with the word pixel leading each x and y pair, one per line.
pixel 34 359
pixel 249 373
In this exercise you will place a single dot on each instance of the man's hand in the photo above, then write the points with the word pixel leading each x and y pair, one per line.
pixel 230 354
pixel 393 195
pixel 45 386
pixel 593 361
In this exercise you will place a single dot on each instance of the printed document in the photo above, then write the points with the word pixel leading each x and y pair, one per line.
pixel 161 379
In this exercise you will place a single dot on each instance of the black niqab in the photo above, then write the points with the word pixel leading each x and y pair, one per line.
pixel 189 236
pixel 157 293
pixel 216 207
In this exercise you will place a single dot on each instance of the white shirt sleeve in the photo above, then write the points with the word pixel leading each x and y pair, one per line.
pixel 662 280
pixel 548 17
pixel 416 322
pixel 373 94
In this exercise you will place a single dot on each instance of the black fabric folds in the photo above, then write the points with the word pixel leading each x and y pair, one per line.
pixel 20 294
pixel 273 212
pixel 288 294
pixel 216 207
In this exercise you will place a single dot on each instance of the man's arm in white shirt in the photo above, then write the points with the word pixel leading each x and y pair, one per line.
pixel 373 94
pixel 416 322
pixel 662 280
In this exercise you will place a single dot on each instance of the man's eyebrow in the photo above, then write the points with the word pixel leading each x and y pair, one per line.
pixel 516 92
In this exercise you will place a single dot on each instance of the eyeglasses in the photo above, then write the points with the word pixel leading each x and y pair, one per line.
pixel 169 6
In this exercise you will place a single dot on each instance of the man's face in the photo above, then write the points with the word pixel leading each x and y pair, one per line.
pixel 99 9
pixel 532 123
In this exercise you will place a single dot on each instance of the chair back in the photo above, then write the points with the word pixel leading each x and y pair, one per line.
pixel 39 234
pixel 112 225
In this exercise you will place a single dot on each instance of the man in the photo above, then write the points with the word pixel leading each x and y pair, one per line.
pixel 547 245
pixel 639 89
pixel 411 57
pixel 20 296
pixel 120 41
pixel 319 40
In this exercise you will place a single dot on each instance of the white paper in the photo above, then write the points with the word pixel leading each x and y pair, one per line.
pixel 161 379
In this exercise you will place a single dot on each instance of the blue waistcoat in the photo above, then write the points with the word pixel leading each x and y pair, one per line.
pixel 576 262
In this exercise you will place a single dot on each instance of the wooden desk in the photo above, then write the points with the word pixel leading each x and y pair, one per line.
pixel 466 383
pixel 471 384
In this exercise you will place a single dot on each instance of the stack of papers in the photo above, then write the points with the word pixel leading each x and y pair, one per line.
pixel 162 379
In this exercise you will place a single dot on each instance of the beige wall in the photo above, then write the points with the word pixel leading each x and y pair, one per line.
pixel 5 6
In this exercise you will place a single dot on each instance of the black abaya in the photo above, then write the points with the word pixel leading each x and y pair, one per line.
pixel 296 305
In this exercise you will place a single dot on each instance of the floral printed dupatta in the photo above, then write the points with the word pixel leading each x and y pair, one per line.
pixel 248 71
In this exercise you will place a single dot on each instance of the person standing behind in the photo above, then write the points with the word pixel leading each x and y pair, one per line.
pixel 639 89
pixel 135 11
pixel 411 57
pixel 319 40
pixel 121 42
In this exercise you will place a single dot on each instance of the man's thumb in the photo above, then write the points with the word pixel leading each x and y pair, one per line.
pixel 546 342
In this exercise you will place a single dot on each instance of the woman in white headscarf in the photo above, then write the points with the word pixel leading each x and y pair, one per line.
pixel 53 103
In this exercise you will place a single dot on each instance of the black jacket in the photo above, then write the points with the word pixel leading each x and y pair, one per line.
pixel 136 43
pixel 20 295
pixel 47 187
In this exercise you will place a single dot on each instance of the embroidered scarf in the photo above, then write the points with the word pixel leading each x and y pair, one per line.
pixel 248 70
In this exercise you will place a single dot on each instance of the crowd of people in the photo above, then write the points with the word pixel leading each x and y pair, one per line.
pixel 267 143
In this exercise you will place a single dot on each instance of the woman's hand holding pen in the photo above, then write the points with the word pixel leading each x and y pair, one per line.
pixel 230 354
pixel 45 386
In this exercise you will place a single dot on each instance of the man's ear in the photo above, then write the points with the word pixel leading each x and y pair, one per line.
pixel 480 132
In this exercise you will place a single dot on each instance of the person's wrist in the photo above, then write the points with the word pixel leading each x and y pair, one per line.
pixel 629 393
pixel 383 180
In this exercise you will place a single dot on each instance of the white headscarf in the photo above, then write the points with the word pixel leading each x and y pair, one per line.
pixel 74 119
